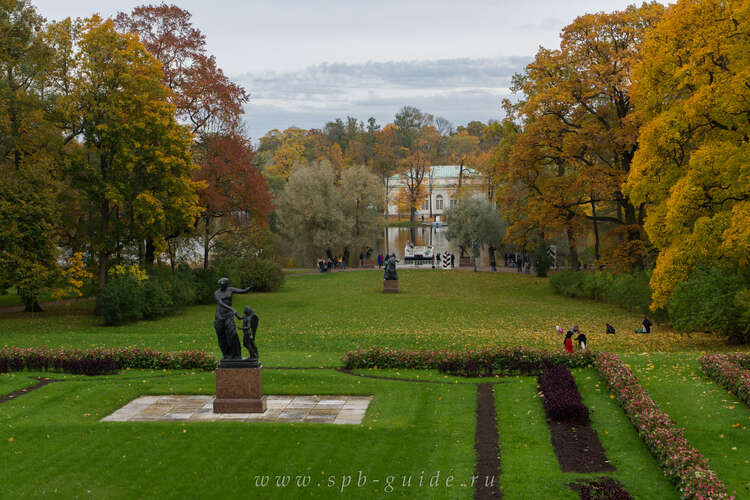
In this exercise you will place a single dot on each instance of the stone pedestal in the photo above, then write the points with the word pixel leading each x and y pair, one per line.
pixel 239 390
pixel 390 286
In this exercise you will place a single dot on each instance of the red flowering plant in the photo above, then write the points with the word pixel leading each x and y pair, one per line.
pixel 729 374
pixel 682 463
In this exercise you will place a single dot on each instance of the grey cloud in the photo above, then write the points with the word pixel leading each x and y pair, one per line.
pixel 460 90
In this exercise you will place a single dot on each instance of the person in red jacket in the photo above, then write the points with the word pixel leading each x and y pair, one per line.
pixel 568 342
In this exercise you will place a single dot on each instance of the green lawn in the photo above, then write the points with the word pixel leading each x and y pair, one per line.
pixel 52 443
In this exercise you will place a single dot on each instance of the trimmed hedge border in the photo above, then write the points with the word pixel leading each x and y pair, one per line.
pixel 98 361
pixel 728 374
pixel 682 463
pixel 483 362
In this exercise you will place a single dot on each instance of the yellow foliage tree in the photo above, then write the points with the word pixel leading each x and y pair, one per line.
pixel 692 90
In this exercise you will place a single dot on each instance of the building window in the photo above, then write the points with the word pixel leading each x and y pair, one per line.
pixel 439 202
pixel 454 203
pixel 426 204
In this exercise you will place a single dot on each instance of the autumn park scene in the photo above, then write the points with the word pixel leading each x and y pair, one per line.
pixel 418 250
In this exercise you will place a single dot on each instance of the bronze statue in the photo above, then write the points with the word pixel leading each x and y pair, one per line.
pixel 226 331
pixel 249 327
pixel 390 267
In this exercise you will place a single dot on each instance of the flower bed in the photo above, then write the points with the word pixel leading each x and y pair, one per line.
pixel 562 401
pixel 742 359
pixel 682 463
pixel 484 362
pixel 98 361
pixel 729 374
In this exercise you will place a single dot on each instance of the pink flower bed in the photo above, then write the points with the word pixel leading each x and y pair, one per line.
pixel 682 463
pixel 728 373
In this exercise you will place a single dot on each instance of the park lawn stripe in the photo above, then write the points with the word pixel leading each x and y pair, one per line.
pixel 715 421
pixel 530 468
pixel 486 442
pixel 60 449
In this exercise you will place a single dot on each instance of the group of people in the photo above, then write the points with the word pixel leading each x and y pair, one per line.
pixel 568 342
pixel 331 264
pixel 581 338
pixel 521 262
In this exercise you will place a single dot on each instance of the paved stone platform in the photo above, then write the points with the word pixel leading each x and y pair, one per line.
pixel 185 408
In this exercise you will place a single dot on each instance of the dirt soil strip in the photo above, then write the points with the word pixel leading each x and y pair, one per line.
pixel 600 488
pixel 487 472
pixel 20 392
pixel 578 448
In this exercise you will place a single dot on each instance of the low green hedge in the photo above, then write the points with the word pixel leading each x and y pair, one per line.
pixel 628 290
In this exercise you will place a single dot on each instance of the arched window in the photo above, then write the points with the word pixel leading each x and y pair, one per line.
pixel 426 204
pixel 454 203
pixel 439 202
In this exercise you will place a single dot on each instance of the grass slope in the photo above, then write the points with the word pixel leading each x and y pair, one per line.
pixel 313 319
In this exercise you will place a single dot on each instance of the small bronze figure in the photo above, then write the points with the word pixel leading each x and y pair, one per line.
pixel 249 327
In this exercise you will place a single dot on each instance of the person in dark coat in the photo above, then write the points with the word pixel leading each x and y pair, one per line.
pixel 581 339
pixel 645 326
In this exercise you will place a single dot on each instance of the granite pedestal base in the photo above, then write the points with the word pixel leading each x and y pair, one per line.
pixel 390 286
pixel 239 390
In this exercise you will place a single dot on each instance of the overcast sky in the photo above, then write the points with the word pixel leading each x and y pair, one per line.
pixel 305 63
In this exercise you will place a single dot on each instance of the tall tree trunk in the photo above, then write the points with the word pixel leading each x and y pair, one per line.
pixel 103 254
pixel 596 229
pixel 574 264
pixel 103 261
pixel 206 243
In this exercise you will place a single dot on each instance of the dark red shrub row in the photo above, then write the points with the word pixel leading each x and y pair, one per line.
pixel 100 360
pixel 483 362
pixel 562 401
pixel 600 488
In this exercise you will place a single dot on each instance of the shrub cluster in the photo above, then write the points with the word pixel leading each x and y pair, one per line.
pixel 600 488
pixel 483 362
pixel 562 401
pixel 712 300
pixel 730 375
pixel 130 297
pixel 682 463
pixel 97 361
pixel 629 290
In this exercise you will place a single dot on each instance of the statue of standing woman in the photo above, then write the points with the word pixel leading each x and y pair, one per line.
pixel 226 331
